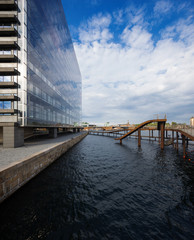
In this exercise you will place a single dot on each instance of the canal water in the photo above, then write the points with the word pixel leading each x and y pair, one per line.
pixel 103 190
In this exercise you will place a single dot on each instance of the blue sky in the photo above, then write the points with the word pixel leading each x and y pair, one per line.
pixel 136 58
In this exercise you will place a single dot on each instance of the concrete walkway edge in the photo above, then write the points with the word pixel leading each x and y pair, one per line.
pixel 19 173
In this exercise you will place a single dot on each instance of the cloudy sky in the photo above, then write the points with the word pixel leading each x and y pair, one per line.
pixel 136 58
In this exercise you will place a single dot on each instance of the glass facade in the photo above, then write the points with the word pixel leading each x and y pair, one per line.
pixel 50 80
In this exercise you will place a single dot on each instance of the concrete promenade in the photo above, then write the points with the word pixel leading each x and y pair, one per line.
pixel 12 156
pixel 19 165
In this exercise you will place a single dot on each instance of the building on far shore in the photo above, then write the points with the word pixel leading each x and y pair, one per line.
pixel 40 80
pixel 192 121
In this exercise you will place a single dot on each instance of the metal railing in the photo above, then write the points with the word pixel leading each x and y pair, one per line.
pixel 160 116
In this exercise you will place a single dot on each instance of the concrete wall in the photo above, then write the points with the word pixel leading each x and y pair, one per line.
pixel 1 134
pixel 16 176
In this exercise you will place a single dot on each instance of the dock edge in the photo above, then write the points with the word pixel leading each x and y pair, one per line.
pixel 14 177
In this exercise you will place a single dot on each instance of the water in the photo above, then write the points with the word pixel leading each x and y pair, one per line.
pixel 103 190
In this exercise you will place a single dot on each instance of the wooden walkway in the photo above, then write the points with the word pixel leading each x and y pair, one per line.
pixel 161 126
pixel 185 135
pixel 159 121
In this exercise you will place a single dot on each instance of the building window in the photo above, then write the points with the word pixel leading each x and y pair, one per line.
pixel 5 105
pixel 5 78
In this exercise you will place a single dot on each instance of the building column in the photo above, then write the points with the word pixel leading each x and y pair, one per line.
pixel 53 132
pixel 13 137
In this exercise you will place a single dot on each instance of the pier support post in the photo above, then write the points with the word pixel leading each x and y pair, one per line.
pixel 173 138
pixel 183 143
pixel 120 141
pixel 162 136
pixel 177 141
pixel 187 141
pixel 159 136
pixel 139 137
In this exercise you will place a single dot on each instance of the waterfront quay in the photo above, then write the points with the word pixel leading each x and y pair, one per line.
pixel 19 165
pixel 101 189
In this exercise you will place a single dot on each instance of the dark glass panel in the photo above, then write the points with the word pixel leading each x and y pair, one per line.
pixel 54 80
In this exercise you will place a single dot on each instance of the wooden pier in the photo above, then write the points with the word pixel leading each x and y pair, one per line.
pixel 163 137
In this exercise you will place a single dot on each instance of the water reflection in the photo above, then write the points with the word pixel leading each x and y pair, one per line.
pixel 103 190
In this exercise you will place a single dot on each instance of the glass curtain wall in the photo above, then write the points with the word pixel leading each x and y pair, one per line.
pixel 53 75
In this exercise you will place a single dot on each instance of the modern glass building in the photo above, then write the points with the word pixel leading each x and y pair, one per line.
pixel 40 80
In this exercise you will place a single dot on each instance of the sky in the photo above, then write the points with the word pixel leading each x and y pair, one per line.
pixel 136 58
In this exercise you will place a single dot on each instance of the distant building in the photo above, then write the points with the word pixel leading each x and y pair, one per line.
pixel 89 127
pixel 40 80
pixel 192 121
pixel 124 125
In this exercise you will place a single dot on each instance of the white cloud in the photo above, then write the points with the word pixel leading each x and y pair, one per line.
pixel 137 37
pixel 163 7
pixel 182 30
pixel 97 28
pixel 137 78
pixel 118 16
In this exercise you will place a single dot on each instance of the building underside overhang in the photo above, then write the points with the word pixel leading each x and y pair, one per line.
pixel 8 111
pixel 8 59
pixel 9 19
pixel 8 72
pixel 9 45
pixel 8 32
pixel 9 85
pixel 8 5
pixel 9 98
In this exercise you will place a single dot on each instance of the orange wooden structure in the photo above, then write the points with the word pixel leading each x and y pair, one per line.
pixel 161 127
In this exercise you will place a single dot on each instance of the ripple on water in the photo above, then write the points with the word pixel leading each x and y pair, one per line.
pixel 103 190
